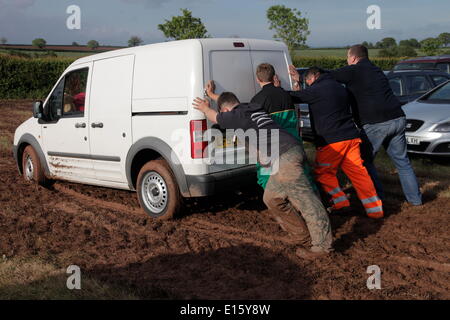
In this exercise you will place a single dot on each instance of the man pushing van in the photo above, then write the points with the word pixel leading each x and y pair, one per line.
pixel 288 192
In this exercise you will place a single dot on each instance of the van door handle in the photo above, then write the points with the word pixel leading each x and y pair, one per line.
pixel 97 125
pixel 80 125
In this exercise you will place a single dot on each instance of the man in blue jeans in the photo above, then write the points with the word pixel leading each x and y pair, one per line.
pixel 381 118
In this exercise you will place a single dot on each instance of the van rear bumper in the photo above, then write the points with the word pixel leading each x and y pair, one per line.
pixel 209 184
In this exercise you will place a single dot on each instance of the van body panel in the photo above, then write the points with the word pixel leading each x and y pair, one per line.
pixel 110 107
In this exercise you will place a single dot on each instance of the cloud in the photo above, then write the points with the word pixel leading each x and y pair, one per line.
pixel 16 4
pixel 160 3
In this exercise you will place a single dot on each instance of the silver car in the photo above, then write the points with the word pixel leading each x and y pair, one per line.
pixel 428 122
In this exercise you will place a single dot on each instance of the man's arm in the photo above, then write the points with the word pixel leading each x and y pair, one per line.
pixel 344 74
pixel 203 105
pixel 307 95
pixel 296 77
pixel 210 89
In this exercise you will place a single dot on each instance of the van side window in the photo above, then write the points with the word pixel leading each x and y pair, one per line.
pixel 68 98
pixel 75 93
pixel 53 109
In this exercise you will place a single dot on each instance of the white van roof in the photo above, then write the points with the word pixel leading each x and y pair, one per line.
pixel 254 44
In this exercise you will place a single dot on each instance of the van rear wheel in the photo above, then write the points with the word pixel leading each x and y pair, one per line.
pixel 32 168
pixel 157 190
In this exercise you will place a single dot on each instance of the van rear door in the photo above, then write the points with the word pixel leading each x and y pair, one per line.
pixel 230 66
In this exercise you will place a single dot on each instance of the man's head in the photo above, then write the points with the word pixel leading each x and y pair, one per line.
pixel 356 53
pixel 227 101
pixel 264 74
pixel 312 74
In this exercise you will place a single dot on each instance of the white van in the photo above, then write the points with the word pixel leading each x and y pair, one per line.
pixel 124 119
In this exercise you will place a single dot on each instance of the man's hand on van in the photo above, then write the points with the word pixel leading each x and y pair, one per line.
pixel 276 81
pixel 203 105
pixel 294 73
pixel 210 89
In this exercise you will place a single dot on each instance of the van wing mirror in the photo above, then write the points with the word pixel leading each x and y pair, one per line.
pixel 38 109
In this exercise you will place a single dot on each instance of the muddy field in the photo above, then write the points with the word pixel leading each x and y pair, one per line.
pixel 225 247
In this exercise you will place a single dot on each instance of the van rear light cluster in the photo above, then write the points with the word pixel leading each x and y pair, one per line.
pixel 198 145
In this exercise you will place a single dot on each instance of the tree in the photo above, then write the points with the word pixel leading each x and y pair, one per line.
pixel 289 25
pixel 184 27
pixel 444 38
pixel 75 44
pixel 134 41
pixel 414 43
pixel 406 51
pixel 39 42
pixel 3 40
pixel 430 46
pixel 388 43
pixel 93 44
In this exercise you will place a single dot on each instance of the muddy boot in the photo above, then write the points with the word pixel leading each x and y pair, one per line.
pixel 299 231
pixel 310 255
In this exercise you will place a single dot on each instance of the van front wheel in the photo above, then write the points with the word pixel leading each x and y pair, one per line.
pixel 157 190
pixel 32 168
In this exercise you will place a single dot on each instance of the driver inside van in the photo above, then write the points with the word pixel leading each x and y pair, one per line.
pixel 288 193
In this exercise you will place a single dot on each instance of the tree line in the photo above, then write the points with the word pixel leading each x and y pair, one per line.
pixel 407 48
pixel 289 26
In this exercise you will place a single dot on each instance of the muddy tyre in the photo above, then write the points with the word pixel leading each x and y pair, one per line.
pixel 32 167
pixel 157 190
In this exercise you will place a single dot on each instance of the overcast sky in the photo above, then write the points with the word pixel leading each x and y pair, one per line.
pixel 112 22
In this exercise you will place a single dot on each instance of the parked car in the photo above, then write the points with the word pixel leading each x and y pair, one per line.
pixel 409 85
pixel 124 119
pixel 428 122
pixel 302 110
pixel 441 63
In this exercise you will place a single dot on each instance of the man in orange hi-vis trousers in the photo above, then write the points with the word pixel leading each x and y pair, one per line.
pixel 337 141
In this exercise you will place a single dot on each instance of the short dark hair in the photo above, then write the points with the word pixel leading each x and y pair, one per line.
pixel 227 98
pixel 265 72
pixel 313 71
pixel 359 51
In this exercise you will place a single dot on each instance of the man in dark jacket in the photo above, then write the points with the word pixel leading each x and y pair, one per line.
pixel 337 141
pixel 381 117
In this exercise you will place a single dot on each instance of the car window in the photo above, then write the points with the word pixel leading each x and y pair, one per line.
pixel 443 93
pixel 414 66
pixel 75 93
pixel 397 86
pixel 417 84
pixel 438 79
pixel 53 108
pixel 443 67
pixel 68 97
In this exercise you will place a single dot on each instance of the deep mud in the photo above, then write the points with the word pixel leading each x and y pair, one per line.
pixel 223 247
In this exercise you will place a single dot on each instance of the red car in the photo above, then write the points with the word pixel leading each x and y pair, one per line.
pixel 441 63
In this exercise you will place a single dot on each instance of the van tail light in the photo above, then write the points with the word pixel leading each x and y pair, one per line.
pixel 198 146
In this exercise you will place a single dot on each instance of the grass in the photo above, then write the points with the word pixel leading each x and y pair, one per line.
pixel 33 278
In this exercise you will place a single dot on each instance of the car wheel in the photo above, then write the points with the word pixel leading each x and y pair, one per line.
pixel 157 190
pixel 32 168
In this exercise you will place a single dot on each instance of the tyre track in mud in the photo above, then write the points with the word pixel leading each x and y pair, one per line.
pixel 131 217
pixel 188 224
